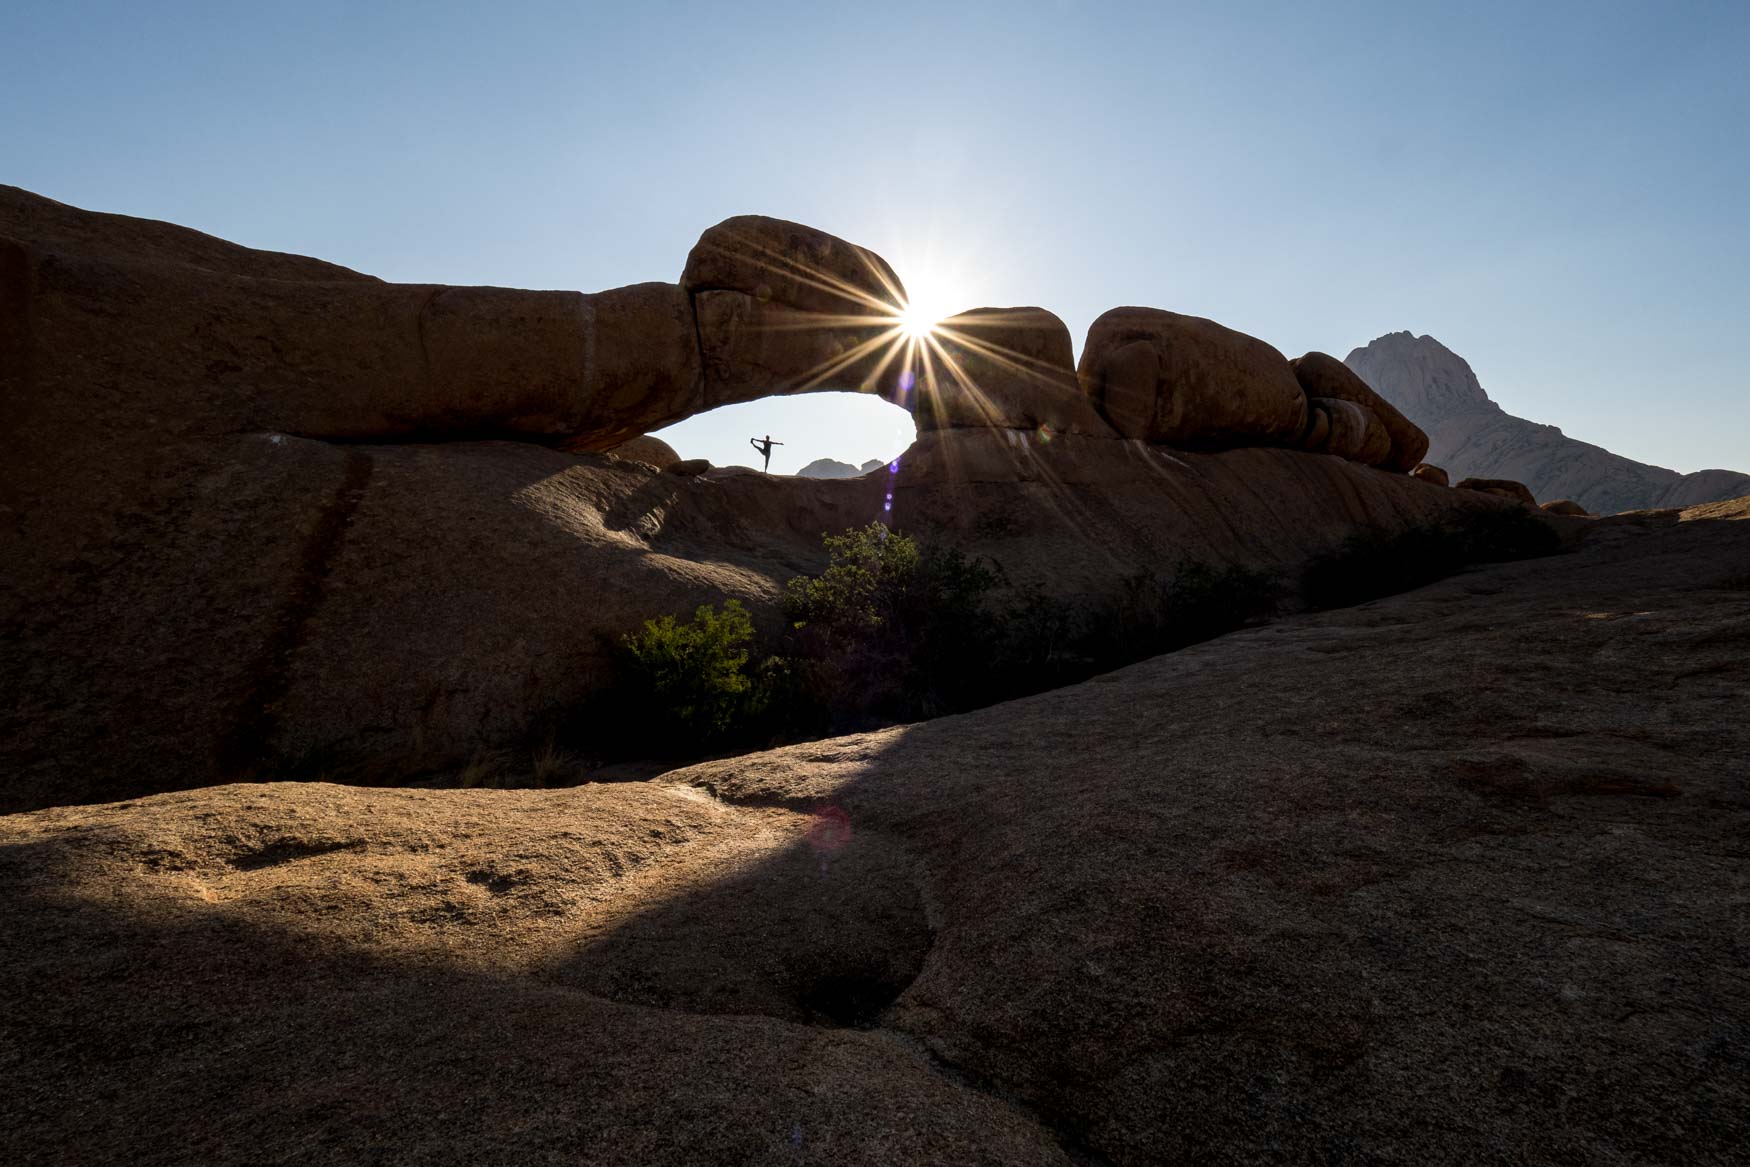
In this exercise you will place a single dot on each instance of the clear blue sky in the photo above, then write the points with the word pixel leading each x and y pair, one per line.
pixel 1557 191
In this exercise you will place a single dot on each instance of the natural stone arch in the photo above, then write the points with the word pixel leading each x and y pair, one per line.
pixel 778 309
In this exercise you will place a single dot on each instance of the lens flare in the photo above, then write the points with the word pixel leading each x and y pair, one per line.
pixel 917 321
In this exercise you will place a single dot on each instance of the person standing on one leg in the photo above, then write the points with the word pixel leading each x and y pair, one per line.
pixel 764 446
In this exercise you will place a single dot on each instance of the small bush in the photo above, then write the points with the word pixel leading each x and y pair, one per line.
pixel 688 683
pixel 890 628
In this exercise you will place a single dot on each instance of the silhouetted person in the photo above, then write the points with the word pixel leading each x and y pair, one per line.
pixel 764 446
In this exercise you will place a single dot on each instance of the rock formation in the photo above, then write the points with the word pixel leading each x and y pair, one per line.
pixel 1472 436
pixel 1003 367
pixel 1293 895
pixel 831 468
pixel 1505 487
pixel 1325 377
pixel 1188 382
pixel 1428 472
pixel 648 450
pixel 261 509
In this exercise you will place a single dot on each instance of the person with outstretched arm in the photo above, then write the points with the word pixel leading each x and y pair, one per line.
pixel 764 446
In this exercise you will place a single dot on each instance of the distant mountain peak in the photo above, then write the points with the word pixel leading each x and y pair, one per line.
pixel 1470 436
pixel 1420 376
pixel 832 468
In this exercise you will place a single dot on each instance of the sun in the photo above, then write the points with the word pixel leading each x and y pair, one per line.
pixel 930 299
pixel 917 321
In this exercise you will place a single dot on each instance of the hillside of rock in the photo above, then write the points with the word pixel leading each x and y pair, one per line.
pixel 258 511
pixel 832 468
pixel 1471 436
pixel 1453 877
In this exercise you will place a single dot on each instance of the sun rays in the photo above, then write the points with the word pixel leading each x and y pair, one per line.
pixel 917 322
pixel 913 344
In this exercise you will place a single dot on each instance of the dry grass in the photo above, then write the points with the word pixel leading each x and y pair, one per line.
pixel 551 766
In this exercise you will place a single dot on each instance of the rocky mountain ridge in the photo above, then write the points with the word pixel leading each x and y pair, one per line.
pixel 1471 436
pixel 833 468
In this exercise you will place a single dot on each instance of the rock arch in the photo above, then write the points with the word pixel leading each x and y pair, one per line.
pixel 238 341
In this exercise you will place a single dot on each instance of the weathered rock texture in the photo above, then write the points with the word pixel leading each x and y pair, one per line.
pixel 1473 437
pixel 1504 487
pixel 1428 472
pixel 1189 382
pixel 648 450
pixel 1347 430
pixel 260 509
pixel 1255 901
pixel 1004 367
pixel 1324 376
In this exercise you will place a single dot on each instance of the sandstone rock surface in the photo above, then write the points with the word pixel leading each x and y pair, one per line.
pixel 1504 487
pixel 648 450
pixel 260 510
pixel 1324 376
pixel 1009 368
pixel 1189 382
pixel 1474 437
pixel 1428 472
pixel 1281 907
pixel 775 261
pixel 1565 506
pixel 1348 430
pixel 784 308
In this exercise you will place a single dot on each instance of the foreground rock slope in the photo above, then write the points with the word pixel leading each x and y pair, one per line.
pixel 1473 437
pixel 1458 876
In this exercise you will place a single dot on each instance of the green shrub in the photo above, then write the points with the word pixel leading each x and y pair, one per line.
pixel 689 683
pixel 891 628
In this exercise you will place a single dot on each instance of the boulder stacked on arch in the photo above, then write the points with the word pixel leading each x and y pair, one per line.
pixel 1501 487
pixel 783 308
pixel 1188 382
pixel 1428 472
pixel 1326 379
pixel 1347 430
pixel 1185 381
pixel 1003 368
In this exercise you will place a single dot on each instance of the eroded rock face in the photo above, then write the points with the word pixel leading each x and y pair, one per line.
pixel 775 261
pixel 1428 472
pixel 1324 376
pixel 1189 382
pixel 648 450
pixel 260 510
pixel 1007 368
pixel 1565 506
pixel 784 308
pixel 644 366
pixel 1348 430
pixel 752 349
pixel 1289 895
pixel 1504 487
